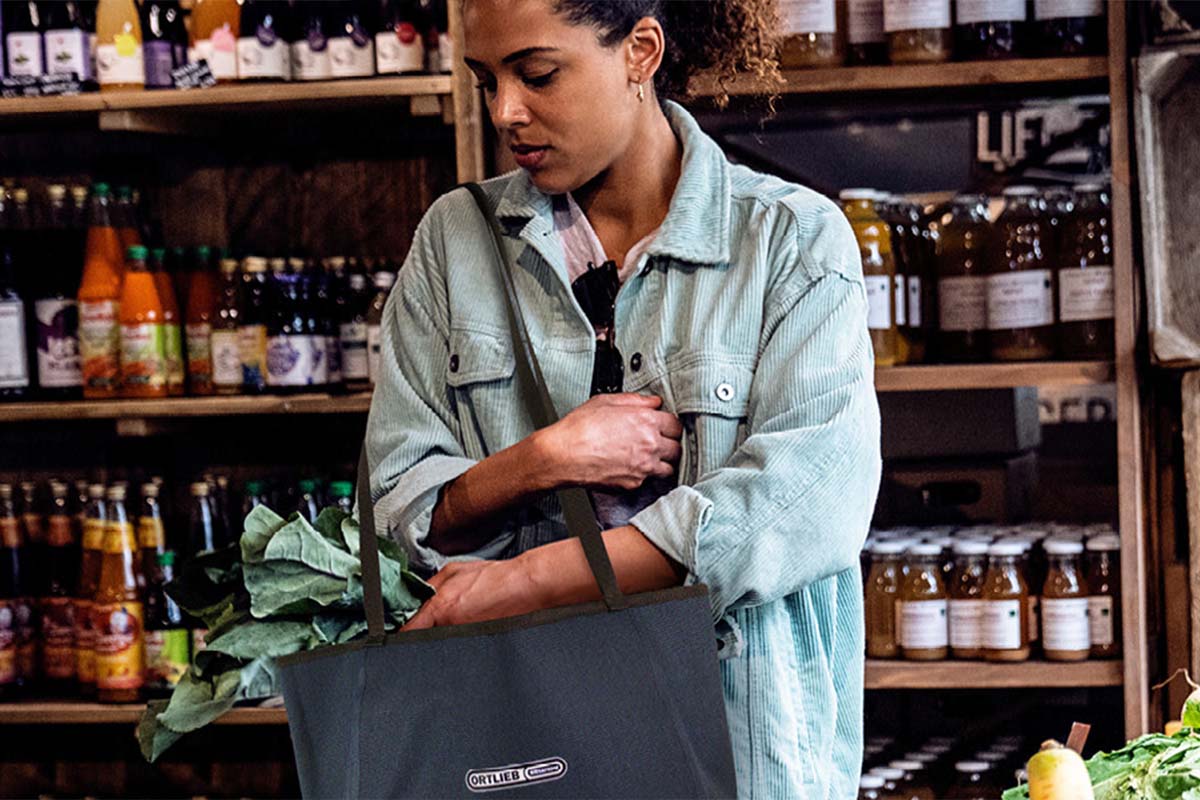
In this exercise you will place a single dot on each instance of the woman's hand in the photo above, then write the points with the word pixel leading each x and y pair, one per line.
pixel 614 441
pixel 476 591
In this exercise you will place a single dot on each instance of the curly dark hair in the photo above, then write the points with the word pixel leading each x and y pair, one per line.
pixel 719 38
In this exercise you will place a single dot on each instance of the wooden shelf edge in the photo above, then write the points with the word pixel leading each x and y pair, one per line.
pixel 316 403
pixel 985 675
pixel 78 713
pixel 936 377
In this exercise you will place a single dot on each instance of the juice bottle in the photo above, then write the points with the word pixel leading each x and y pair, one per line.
pixel 119 61
pixel 966 599
pixel 216 25
pixel 252 326
pixel 58 606
pixel 226 353
pixel 166 633
pixel 94 525
pixel 1104 594
pixel 384 280
pixel 23 38
pixel 143 346
pixel 310 50
pixel 172 325
pixel 812 35
pixel 125 218
pixel 867 43
pixel 263 46
pixel 1085 278
pixel 879 270
pixel 918 31
pixel 118 614
pixel 924 631
pixel 1006 604
pixel 56 310
pixel 962 281
pixel 989 29
pixel 201 309
pixel 1020 286
pixel 1065 632
pixel 99 301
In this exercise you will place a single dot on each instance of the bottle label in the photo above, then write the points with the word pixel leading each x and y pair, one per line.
pixel 143 356
pixel 8 643
pixel 26 625
pixel 399 50
pixel 865 22
pixel 159 57
pixel 1020 300
pixel 1062 9
pixel 1065 623
pixel 912 15
pixel 259 59
pixel 67 52
pixel 333 359
pixel 14 357
pixel 220 51
pixel 252 347
pixel 808 16
pixel 119 538
pixel 173 349
pixel 972 11
pixel 58 530
pixel 199 355
pixel 1085 294
pixel 320 361
pixel 445 52
pixel 354 351
pixel 226 358
pixel 24 54
pixel 901 292
pixel 923 624
pixel 289 361
pixel 93 534
pixel 58 344
pixel 1035 610
pixel 151 535
pixel 166 656
pixel 966 624
pixel 1100 620
pixel 962 303
pixel 352 56
pixel 879 302
pixel 119 659
pixel 58 638
pixel 99 343
pixel 85 642
pixel 1001 621
pixel 309 62
pixel 913 308
pixel 120 62
pixel 374 352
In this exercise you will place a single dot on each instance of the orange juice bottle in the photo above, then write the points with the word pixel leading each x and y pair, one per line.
pixel 99 301
pixel 215 28
pixel 119 46
pixel 117 612
pixel 172 330
pixel 143 345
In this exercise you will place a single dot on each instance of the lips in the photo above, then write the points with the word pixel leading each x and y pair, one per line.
pixel 528 156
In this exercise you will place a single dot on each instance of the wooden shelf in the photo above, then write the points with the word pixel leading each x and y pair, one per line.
pixel 316 403
pixel 985 675
pixel 902 77
pixel 75 713
pixel 993 376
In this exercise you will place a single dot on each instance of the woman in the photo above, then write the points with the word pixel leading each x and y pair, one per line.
pixel 732 435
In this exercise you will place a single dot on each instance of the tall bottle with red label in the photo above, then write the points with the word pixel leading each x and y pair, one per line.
pixel 118 612
pixel 100 300
pixel 400 42
pixel 58 603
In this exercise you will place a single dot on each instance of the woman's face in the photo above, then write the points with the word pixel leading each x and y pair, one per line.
pixel 560 101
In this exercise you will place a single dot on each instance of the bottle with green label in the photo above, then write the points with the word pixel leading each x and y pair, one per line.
pixel 166 633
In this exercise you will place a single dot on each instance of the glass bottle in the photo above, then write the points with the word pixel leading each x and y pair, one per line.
pixel 308 506
pixel 400 43
pixel 384 280
pixel 215 31
pixel 310 50
pixel 352 334
pixel 966 599
pixel 99 301
pixel 812 35
pixel 166 632
pixel 160 46
pixel 870 787
pixel 1065 632
pixel 164 282
pixel 202 528
pixel 94 525
pixel 923 606
pixel 1085 278
pixel 353 25
pixel 119 59
pixel 57 612
pixel 918 31
pixel 1006 604
pixel 866 41
pixel 263 49
pixel 341 494
pixel 314 332
pixel 962 281
pixel 973 781
pixel 65 40
pixel 226 347
pixel 1104 595
pixel 201 311
pixel 56 310
pixel 891 212
pixel 326 284
pixel 23 39
pixel 125 218
pixel 914 784
pixel 13 595
pixel 1020 287
pixel 252 325
pixel 990 29
pixel 152 536
pixel 143 343
pixel 255 495
pixel 118 614
pixel 879 270
pixel 1071 27
pixel 289 357
pixel 1058 209
pixel 14 351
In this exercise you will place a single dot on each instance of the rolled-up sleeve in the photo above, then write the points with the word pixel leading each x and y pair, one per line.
pixel 412 430
pixel 794 502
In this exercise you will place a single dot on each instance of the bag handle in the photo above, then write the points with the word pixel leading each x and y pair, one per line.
pixel 368 551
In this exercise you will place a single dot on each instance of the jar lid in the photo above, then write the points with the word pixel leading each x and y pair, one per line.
pixel 1009 547
pixel 937 749
pixel 870 782
pixel 893 547
pixel 972 766
pixel 888 773
pixel 1090 186
pixel 924 756
pixel 970 547
pixel 858 194
pixel 907 765
pixel 1062 547
pixel 1105 542
pixel 925 549
pixel 944 542
pixel 1021 191
pixel 992 756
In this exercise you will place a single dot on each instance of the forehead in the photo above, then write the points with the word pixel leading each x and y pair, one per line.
pixel 494 29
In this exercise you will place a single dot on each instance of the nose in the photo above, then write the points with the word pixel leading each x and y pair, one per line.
pixel 508 107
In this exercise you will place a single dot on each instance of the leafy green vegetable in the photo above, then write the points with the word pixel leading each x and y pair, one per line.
pixel 1151 767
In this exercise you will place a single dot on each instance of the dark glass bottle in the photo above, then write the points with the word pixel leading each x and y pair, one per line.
pixel 23 39
pixel 263 48
pixel 866 40
pixel 166 631
pixel 288 353
pixel 1085 278
pixel 14 597
pixel 990 29
pixel 160 42
pixel 310 48
pixel 252 327
pixel 1020 282
pixel 57 605
pixel 329 285
pixel 202 527
pixel 400 42
pixel 308 505
pixel 353 25
pixel 56 311
pixel 226 349
pixel 65 39
pixel 14 350
pixel 312 304
pixel 353 333
pixel 1071 27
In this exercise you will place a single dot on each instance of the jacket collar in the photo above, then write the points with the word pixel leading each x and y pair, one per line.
pixel 696 228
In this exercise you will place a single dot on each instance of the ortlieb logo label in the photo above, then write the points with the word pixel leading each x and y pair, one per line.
pixel 508 777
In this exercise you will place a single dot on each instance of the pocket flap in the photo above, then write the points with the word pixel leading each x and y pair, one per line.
pixel 719 387
pixel 477 357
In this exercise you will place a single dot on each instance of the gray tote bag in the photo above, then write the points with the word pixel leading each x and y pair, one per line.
pixel 618 698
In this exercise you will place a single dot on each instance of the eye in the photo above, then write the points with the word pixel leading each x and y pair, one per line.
pixel 538 81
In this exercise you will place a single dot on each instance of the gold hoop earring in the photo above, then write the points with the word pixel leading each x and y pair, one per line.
pixel 641 92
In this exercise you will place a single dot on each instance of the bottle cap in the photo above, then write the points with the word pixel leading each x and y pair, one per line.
pixel 57 488
pixel 136 252
pixel 336 262
pixel 166 558
pixel 341 489
pixel 870 782
pixel 384 279
pixel 358 281
pixel 925 757
pixel 229 266
pixel 893 547
pixel 907 765
pixel 278 265
pixel 992 756
pixel 970 547
pixel 1062 547
pixel 57 192
pixel 6 491
pixel 254 264
pixel 202 252
pixel 1090 187
pixel 307 486
pixel 115 492
pixel 158 254
pixel 254 487
pixel 888 773
pixel 149 490
pixel 1104 543
pixel 96 491
pixel 1006 548
pixel 20 194
pixel 1021 191
pixel 79 194
pixel 100 189
pixel 924 550
pixel 200 489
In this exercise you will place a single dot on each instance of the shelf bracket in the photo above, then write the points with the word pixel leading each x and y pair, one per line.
pixel 161 121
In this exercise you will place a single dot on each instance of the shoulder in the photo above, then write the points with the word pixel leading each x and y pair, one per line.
pixel 456 210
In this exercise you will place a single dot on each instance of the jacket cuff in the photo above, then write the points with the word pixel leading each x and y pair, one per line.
pixel 673 524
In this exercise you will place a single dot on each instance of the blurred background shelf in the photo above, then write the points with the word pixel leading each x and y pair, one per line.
pixel 74 713
pixel 986 675
pixel 993 376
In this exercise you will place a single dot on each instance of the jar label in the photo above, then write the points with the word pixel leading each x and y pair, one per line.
pixel 166 655
pixel 120 62
pixel 966 624
pixel 199 354
pixel 1065 623
pixel 912 308
pixel 351 57
pixel 865 22
pixel 354 351
pixel 374 351
pixel 289 361
pixel 971 11
pixel 14 359
pixel 1061 9
pixel 85 642
pixel 24 54
pixel 879 302
pixel 143 356
pixel 58 343
pixel 99 343
pixel 912 15
pixel 901 300
pixel 399 50
pixel 257 59
pixel 226 358
pixel 923 625
pixel 1100 620
pixel 1085 294
pixel 1002 624
pixel 119 659
pixel 1020 300
pixel 808 16
pixel 67 52
pixel 962 303
pixel 58 638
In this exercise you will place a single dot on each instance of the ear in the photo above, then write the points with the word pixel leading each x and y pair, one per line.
pixel 645 46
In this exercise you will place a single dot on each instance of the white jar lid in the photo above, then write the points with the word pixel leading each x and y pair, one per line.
pixel 1105 542
pixel 1020 191
pixel 858 194
pixel 971 547
pixel 925 549
pixel 972 766
pixel 894 547
pixel 888 773
pixel 1062 547
pixel 1008 547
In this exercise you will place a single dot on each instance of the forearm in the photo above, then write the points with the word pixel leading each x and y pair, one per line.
pixel 562 576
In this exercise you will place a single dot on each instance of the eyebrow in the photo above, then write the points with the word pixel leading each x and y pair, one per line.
pixel 515 56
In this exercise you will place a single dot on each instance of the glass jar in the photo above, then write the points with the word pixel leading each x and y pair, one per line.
pixel 914 784
pixel 918 31
pixel 1104 595
pixel 1065 632
pixel 966 599
pixel 891 781
pixel 813 34
pixel 879 270
pixel 888 208
pixel 865 39
pixel 1020 285
pixel 1058 205
pixel 1070 27
pixel 973 781
pixel 1006 604
pixel 961 248
pixel 919 280
pixel 870 787
pixel 1085 278
pixel 882 594
pixel 924 633
pixel 990 29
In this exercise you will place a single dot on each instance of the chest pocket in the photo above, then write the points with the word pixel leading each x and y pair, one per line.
pixel 479 381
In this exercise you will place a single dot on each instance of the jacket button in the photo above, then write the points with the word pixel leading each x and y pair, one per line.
pixel 725 392
pixel 635 362
pixel 454 363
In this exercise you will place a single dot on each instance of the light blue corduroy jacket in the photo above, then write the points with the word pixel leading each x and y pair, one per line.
pixel 747 315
